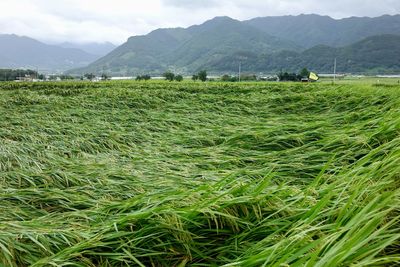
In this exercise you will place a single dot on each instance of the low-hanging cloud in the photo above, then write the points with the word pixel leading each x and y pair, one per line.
pixel 115 21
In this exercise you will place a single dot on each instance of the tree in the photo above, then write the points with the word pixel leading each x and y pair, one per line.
pixel 143 77
pixel 285 76
pixel 226 78
pixel 248 77
pixel 229 78
pixel 304 73
pixel 179 78
pixel 169 76
pixel 202 75
pixel 89 76
pixel 105 77
pixel 17 74
pixel 195 77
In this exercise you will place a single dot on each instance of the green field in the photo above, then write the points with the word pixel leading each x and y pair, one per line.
pixel 199 174
pixel 367 80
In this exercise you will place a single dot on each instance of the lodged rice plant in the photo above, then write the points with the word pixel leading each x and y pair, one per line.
pixel 199 174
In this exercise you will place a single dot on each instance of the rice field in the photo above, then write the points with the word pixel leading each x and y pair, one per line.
pixel 199 174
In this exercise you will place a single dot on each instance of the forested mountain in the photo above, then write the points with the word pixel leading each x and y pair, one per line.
pixel 364 45
pixel 374 55
pixel 312 30
pixel 140 53
pixel 187 49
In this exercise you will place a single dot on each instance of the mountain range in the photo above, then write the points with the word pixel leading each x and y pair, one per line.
pixel 24 52
pixel 312 30
pixel 361 45
pixel 379 54
pixel 266 45
pixel 186 49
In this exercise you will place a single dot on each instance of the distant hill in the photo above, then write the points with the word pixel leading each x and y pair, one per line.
pixel 311 30
pixel 374 55
pixel 188 49
pixel 140 53
pixel 222 35
pixel 24 52
pixel 98 49
pixel 363 45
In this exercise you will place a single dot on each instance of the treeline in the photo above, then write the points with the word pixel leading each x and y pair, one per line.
pixel 203 76
pixel 143 77
pixel 26 75
pixel 13 75
pixel 281 76
pixel 286 76
pixel 170 76
pixel 243 77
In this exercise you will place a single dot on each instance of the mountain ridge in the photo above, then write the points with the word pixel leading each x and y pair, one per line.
pixel 207 45
pixel 218 45
pixel 184 49
pixel 25 52
pixel 310 30
pixel 378 54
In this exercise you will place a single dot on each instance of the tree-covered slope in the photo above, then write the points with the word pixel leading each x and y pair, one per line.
pixel 222 35
pixel 362 45
pixel 376 54
pixel 186 49
pixel 312 30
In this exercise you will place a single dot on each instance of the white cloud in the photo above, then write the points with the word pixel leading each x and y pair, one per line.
pixel 116 20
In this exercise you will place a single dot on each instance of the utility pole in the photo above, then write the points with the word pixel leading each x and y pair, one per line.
pixel 334 72
pixel 240 69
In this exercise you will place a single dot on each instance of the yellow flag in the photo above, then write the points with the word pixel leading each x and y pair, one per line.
pixel 313 76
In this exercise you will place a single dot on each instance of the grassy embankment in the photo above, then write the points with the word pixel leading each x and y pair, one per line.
pixel 124 174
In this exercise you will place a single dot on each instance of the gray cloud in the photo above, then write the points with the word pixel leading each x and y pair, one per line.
pixel 115 21
pixel 187 4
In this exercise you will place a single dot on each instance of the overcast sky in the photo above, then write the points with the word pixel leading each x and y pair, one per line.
pixel 115 20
